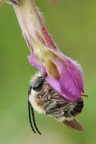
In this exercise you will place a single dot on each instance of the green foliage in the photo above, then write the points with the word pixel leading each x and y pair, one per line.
pixel 73 25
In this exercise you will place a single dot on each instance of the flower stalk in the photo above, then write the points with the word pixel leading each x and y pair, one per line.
pixel 36 35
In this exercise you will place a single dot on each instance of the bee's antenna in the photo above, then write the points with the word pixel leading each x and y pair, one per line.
pixel 33 116
pixel 30 120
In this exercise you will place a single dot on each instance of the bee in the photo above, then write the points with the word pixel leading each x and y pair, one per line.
pixel 44 99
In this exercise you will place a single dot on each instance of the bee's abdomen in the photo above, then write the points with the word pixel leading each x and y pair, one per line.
pixel 77 107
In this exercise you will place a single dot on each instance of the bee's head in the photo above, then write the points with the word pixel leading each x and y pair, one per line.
pixel 35 87
pixel 36 84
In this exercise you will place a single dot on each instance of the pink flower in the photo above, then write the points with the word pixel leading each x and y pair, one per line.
pixel 63 74
pixel 69 83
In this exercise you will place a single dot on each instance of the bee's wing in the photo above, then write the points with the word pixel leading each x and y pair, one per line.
pixel 73 123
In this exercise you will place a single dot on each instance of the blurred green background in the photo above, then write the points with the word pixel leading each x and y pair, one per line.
pixel 72 23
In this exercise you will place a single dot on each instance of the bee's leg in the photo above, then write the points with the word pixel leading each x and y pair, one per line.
pixel 54 109
pixel 44 95
pixel 57 109
pixel 59 112
pixel 55 112
pixel 49 105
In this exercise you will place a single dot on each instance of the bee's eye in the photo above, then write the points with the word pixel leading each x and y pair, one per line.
pixel 37 85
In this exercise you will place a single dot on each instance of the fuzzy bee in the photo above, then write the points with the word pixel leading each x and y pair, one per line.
pixel 44 99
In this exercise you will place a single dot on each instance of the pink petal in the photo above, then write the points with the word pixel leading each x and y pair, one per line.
pixel 73 67
pixel 70 83
pixel 65 85
pixel 34 62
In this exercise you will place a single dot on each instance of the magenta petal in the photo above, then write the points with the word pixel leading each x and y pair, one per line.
pixel 76 73
pixel 73 67
pixel 70 83
pixel 34 62
pixel 65 85
pixel 56 85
